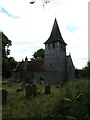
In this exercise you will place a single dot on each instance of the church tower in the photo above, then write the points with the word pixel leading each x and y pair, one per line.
pixel 55 56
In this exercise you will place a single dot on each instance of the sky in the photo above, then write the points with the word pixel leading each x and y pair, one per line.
pixel 29 26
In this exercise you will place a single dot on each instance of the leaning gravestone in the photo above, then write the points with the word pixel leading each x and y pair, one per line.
pixel 4 96
pixel 47 89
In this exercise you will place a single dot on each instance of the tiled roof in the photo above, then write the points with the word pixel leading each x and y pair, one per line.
pixel 55 34
pixel 34 65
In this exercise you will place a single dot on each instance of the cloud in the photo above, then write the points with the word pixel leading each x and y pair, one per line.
pixel 2 9
pixel 23 43
pixel 83 58
pixel 80 62
pixel 72 28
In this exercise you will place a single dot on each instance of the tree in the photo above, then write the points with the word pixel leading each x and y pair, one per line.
pixel 8 63
pixel 84 72
pixel 39 53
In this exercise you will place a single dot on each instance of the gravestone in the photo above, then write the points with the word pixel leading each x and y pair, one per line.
pixel 77 90
pixel 47 89
pixel 28 90
pixel 23 85
pixel 4 96
pixel 57 85
pixel 18 90
pixel 10 81
pixel 42 82
pixel 31 90
pixel 34 90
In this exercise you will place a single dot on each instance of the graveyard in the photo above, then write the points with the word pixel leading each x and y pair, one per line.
pixel 59 102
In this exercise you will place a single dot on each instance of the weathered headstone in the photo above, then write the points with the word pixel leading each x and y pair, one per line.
pixel 4 96
pixel 34 89
pixel 28 90
pixel 18 90
pixel 78 90
pixel 57 85
pixel 42 82
pixel 47 89
pixel 31 90
pixel 23 85
pixel 10 82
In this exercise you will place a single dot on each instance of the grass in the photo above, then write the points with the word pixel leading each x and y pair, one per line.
pixel 64 103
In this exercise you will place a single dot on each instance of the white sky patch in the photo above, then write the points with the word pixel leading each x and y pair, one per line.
pixel 34 25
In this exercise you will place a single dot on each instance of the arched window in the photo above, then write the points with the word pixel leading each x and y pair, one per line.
pixel 64 49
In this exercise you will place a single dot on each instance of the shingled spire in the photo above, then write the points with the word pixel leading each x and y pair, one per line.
pixel 55 34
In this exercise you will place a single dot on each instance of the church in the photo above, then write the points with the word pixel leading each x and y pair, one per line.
pixel 55 67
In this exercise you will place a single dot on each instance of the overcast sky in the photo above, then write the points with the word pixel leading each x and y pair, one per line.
pixel 29 26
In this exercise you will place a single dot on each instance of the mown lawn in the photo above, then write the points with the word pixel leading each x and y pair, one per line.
pixel 68 102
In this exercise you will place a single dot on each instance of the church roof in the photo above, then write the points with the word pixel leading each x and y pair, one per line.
pixel 34 65
pixel 69 60
pixel 55 34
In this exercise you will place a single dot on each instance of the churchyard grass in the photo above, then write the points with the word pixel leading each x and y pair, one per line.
pixel 70 101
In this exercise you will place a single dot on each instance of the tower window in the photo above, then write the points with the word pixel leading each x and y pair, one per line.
pixel 64 48
pixel 49 46
pixel 53 45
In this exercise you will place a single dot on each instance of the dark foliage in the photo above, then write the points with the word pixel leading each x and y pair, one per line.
pixel 39 53
pixel 84 72
pixel 8 63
